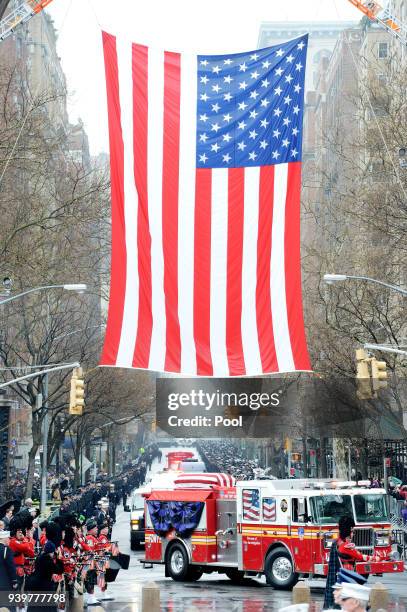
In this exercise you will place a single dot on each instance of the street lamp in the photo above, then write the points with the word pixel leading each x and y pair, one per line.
pixel 336 278
pixel 78 287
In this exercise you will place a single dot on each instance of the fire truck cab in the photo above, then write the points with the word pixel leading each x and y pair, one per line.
pixel 283 529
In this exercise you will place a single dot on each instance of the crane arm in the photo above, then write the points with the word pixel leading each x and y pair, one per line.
pixel 22 13
pixel 383 16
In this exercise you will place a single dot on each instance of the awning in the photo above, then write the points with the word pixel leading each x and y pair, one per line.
pixel 179 495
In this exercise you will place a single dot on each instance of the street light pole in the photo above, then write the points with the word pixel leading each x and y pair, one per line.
pixel 383 348
pixel 335 278
pixel 66 366
pixel 79 287
pixel 44 445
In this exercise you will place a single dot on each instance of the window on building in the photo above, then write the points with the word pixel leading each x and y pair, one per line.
pixel 383 50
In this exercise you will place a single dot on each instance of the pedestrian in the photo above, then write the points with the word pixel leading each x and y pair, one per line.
pixel 8 575
pixel 90 543
pixel 347 551
pixel 7 517
pixel 343 578
pixel 28 504
pixel 334 566
pixel 21 543
pixel 46 567
pixel 354 597
pixel 124 492
pixel 112 497
pixel 56 493
pixel 404 512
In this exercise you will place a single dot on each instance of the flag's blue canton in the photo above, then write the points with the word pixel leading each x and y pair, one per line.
pixel 255 499
pixel 250 106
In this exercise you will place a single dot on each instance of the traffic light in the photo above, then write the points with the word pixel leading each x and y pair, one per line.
pixel 379 374
pixel 364 387
pixel 77 395
pixel 288 445
pixel 296 457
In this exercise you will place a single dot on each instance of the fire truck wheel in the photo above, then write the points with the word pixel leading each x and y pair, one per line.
pixel 236 576
pixel 279 569
pixel 178 566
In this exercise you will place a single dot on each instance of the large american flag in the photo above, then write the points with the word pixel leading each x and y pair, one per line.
pixel 205 156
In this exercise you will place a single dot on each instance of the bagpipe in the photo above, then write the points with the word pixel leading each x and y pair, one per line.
pixel 105 563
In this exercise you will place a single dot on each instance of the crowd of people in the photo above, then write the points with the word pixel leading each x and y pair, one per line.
pixel 225 456
pixel 71 551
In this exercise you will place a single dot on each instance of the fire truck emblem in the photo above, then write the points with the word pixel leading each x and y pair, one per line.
pixel 284 505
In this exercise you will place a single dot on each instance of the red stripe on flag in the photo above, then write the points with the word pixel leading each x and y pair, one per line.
pixel 172 76
pixel 292 258
pixel 234 345
pixel 202 270
pixel 118 258
pixel 263 297
pixel 140 126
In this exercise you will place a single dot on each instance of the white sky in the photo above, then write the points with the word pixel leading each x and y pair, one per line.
pixel 217 26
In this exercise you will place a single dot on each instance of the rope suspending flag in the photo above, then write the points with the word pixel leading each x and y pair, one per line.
pixel 205 155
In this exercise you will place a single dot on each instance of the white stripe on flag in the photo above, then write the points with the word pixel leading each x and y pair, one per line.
pixel 250 339
pixel 154 174
pixel 130 310
pixel 186 216
pixel 219 243
pixel 277 273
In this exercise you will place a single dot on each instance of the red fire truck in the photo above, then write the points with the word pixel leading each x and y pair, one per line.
pixel 175 458
pixel 283 529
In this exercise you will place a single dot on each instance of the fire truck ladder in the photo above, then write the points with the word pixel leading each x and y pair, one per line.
pixel 19 15
pixel 383 16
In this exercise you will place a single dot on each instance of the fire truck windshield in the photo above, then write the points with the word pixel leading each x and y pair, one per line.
pixel 370 508
pixel 329 508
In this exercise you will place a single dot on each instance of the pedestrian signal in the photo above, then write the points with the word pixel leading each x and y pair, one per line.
pixel 77 395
